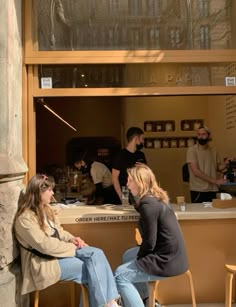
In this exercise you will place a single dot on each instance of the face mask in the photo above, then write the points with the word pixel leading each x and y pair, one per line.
pixel 203 141
pixel 139 146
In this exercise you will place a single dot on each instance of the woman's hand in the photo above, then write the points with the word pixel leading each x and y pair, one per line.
pixel 78 242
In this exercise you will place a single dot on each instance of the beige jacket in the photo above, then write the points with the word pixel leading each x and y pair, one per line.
pixel 39 273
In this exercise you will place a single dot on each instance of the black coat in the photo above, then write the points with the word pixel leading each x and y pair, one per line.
pixel 162 251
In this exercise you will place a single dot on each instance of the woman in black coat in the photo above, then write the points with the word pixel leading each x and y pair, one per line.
pixel 162 252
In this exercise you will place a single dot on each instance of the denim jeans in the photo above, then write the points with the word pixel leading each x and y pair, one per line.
pixel 90 267
pixel 131 281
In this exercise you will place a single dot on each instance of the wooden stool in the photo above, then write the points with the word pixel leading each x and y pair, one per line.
pixel 84 293
pixel 231 270
pixel 152 286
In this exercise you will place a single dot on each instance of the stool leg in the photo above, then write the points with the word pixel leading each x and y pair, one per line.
pixel 84 291
pixel 72 294
pixel 152 286
pixel 36 298
pixel 228 289
pixel 191 287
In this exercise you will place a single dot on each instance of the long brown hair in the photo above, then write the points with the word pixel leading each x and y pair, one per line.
pixel 32 199
pixel 143 176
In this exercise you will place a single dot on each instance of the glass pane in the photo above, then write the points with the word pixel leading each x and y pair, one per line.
pixel 134 24
pixel 137 75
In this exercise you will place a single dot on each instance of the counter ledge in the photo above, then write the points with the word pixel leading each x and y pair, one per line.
pixel 99 214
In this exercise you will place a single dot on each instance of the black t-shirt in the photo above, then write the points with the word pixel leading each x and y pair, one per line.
pixel 126 159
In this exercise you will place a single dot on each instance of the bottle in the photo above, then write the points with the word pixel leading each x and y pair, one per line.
pixel 181 202
pixel 125 196
pixel 183 206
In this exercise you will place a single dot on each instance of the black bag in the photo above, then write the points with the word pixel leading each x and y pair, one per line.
pixel 38 253
pixel 185 173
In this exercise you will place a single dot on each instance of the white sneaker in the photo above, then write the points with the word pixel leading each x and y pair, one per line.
pixel 114 304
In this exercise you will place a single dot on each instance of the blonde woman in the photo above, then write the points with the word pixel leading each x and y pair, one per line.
pixel 162 251
pixel 50 254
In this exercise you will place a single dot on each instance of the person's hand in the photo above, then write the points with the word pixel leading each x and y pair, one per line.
pixel 78 242
pixel 221 181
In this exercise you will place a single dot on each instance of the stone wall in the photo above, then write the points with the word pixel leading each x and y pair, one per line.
pixel 12 166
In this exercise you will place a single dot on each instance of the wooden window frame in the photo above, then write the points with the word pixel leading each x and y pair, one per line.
pixel 33 58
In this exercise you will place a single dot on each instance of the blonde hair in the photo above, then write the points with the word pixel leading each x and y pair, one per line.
pixel 32 199
pixel 145 179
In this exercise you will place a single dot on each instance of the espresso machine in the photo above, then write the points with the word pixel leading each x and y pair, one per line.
pixel 230 174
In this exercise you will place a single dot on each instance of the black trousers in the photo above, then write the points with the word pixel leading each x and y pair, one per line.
pixel 200 197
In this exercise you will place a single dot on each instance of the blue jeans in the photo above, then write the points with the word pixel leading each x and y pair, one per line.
pixel 90 267
pixel 131 281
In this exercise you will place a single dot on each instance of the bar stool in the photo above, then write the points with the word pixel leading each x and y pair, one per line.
pixel 231 270
pixel 152 286
pixel 84 293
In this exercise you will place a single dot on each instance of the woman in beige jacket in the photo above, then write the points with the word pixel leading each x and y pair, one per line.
pixel 50 254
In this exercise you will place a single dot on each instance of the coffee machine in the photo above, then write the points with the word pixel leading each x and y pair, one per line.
pixel 230 173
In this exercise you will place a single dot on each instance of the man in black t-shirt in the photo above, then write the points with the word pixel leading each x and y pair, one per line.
pixel 128 157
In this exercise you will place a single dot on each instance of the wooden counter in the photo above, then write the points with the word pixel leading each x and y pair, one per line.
pixel 210 236
pixel 111 214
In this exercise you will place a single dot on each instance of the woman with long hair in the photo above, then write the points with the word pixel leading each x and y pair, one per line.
pixel 162 251
pixel 50 254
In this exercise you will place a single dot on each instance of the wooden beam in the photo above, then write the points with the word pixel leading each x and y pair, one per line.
pixel 136 91
pixel 130 56
pixel 31 125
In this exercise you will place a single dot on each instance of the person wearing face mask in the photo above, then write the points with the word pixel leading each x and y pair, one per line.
pixel 128 157
pixel 101 176
pixel 86 186
pixel 205 167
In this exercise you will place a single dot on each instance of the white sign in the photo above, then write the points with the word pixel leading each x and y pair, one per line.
pixel 230 81
pixel 46 82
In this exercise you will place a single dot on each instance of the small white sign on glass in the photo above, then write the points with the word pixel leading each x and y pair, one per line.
pixel 46 82
pixel 230 81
